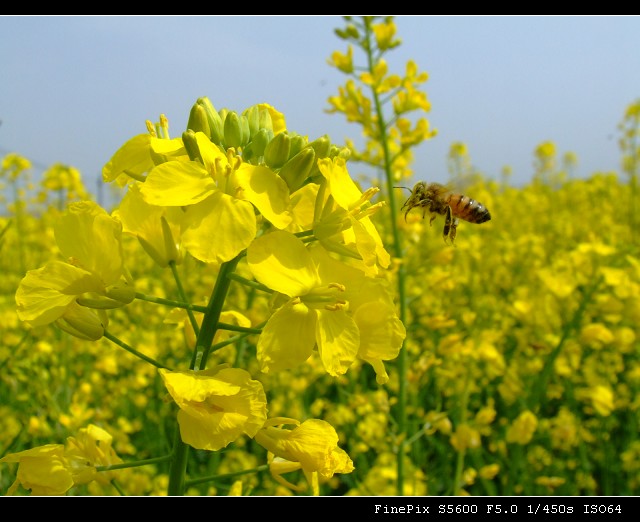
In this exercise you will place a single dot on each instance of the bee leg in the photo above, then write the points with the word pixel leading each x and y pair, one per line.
pixel 450 226
pixel 433 216
pixel 452 234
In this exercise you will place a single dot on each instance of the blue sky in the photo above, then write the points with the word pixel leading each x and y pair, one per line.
pixel 73 89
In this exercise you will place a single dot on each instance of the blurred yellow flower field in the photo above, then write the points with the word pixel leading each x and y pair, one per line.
pixel 255 318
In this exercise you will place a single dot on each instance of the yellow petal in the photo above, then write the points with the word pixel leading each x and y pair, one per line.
pixel 288 338
pixel 343 189
pixel 267 191
pixel 338 341
pixel 218 228
pixel 280 261
pixel 133 157
pixel 92 239
pixel 177 183
pixel 44 294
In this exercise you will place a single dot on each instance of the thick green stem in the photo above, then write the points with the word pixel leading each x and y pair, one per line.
pixel 210 325
pixel 398 253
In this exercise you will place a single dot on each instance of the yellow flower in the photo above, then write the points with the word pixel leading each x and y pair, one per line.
pixel 91 448
pixel 465 437
pixel 343 62
pixel 12 165
pixel 522 429
pixel 347 226
pixel 385 33
pixel 139 155
pixel 219 195
pixel 323 302
pixel 157 228
pixel 43 470
pixel 93 276
pixel 65 177
pixel 489 471
pixel 217 405
pixel 596 335
pixel 602 399
pixel 313 445
pixel 53 469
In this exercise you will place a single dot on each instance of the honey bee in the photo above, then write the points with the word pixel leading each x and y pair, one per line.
pixel 438 199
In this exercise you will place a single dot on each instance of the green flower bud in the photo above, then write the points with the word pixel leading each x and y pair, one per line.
pixel 198 121
pixel 321 146
pixel 121 292
pixel 297 144
pixel 216 126
pixel 265 120
pixel 296 170
pixel 83 323
pixel 276 153
pixel 153 253
pixel 352 32
pixel 233 130
pixel 191 145
pixel 99 303
pixel 253 117
pixel 255 149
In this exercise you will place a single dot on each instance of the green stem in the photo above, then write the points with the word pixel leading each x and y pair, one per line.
pixel 211 478
pixel 135 463
pixel 131 350
pixel 170 302
pixel 398 252
pixel 234 339
pixel 457 478
pixel 183 296
pixel 178 467
pixel 210 325
pixel 241 329
pixel 19 227
pixel 249 283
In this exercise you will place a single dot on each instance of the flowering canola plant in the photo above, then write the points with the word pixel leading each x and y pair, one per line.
pixel 223 195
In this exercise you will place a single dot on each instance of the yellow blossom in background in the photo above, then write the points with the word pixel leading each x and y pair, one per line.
pixel 65 177
pixel 385 33
pixel 13 165
pixel 217 405
pixel 465 437
pixel 522 429
pixel 341 61
pixel 601 398
pixel 550 482
pixel 596 335
pixel 489 471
